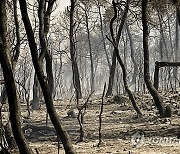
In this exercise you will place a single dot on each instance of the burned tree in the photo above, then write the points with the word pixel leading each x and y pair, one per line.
pixel 66 141
pixel 156 96
pixel 10 84
pixel 113 41
pixel 76 78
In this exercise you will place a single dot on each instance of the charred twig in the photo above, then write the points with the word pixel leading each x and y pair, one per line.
pixel 80 116
pixel 37 151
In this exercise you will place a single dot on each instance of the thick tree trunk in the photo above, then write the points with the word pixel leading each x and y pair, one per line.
pixel 44 16
pixel 36 94
pixel 10 85
pixel 49 72
pixel 76 78
pixel 157 98
pixel 111 75
pixel 66 141
pixel 16 51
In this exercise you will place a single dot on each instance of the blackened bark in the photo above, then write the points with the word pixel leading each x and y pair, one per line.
pixel 17 46
pixel 36 94
pixel 49 72
pixel 44 16
pixel 10 85
pixel 156 76
pixel 163 40
pixel 100 116
pixel 76 78
pixel 90 52
pixel 111 75
pixel 131 97
pixel 9 138
pixel 156 96
pixel 102 34
pixel 66 141
pixel 113 66
pixel 178 14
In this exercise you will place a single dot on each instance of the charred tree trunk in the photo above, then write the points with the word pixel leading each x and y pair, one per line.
pixel 178 14
pixel 10 85
pixel 156 96
pixel 76 78
pixel 90 51
pixel 176 54
pixel 9 138
pixel 103 36
pixel 17 46
pixel 36 96
pixel 44 19
pixel 100 116
pixel 131 97
pixel 16 50
pixel 66 141
pixel 111 75
pixel 113 66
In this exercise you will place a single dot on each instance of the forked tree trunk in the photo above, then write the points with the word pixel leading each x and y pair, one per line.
pixel 113 66
pixel 131 96
pixel 156 96
pixel 44 13
pixel 66 141
pixel 10 85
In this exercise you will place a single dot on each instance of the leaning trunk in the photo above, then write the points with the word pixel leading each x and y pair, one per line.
pixel 66 141
pixel 131 97
pixel 116 41
pixel 157 98
pixel 10 85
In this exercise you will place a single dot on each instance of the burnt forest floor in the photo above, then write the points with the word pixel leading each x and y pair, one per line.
pixel 122 131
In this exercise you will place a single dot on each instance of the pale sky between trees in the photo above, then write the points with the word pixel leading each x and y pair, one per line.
pixel 63 3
